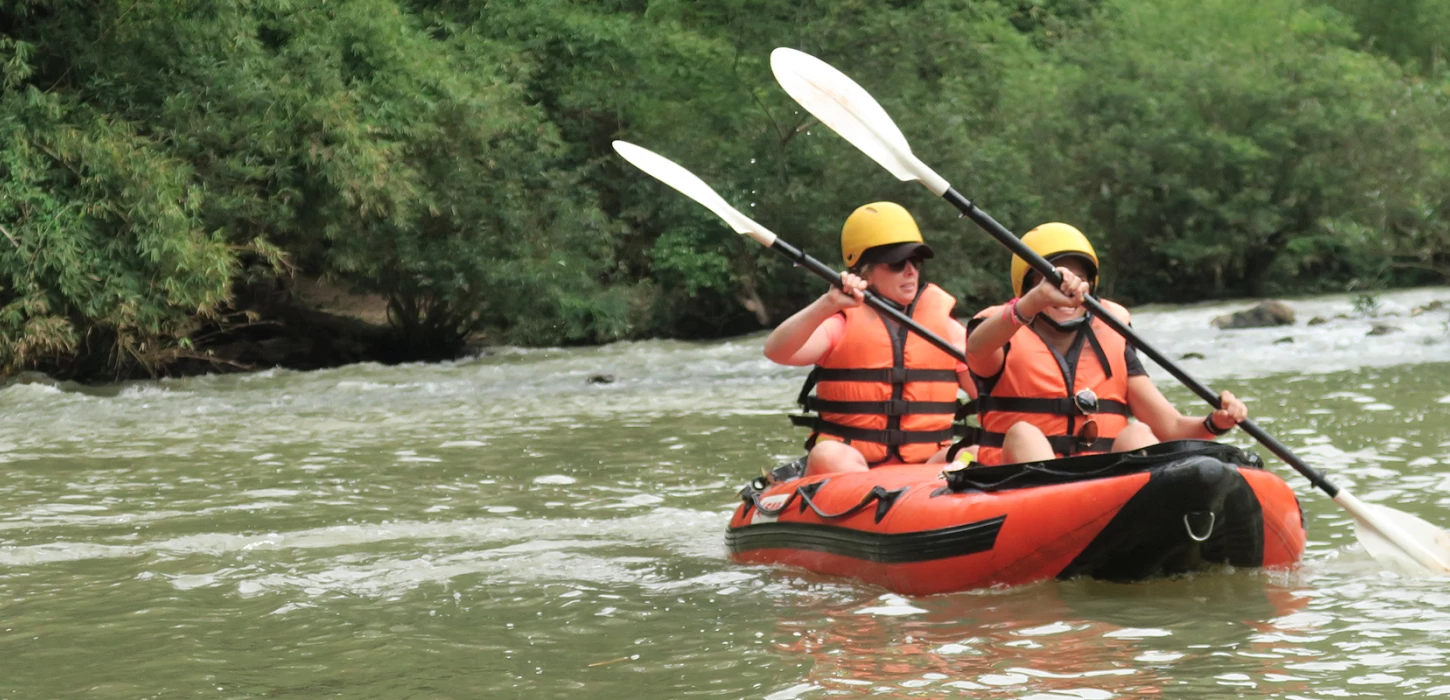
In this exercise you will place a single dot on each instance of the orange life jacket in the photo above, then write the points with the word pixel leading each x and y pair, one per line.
pixel 883 389
pixel 1037 386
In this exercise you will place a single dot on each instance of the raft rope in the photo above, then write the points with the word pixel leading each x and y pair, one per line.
pixel 883 497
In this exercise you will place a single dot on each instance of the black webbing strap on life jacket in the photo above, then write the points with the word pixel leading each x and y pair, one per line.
pixel 885 437
pixel 808 387
pixel 883 376
pixel 887 408
pixel 1057 407
pixel 967 433
pixel 1061 444
pixel 888 375
pixel 966 410
pixel 1092 339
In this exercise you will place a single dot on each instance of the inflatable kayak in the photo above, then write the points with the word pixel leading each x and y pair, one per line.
pixel 1168 509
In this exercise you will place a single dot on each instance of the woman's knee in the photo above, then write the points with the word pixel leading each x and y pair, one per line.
pixel 1134 436
pixel 1022 430
pixel 1025 442
pixel 830 456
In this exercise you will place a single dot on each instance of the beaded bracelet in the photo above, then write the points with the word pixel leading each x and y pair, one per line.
pixel 1021 320
pixel 1009 312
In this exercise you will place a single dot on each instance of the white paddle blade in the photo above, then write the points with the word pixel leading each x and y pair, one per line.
pixel 852 112
pixel 1401 542
pixel 670 173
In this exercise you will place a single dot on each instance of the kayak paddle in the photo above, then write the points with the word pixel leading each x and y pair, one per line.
pixel 1397 539
pixel 672 174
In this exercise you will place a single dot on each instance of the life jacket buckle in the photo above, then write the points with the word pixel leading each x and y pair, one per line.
pixel 895 437
pixel 896 407
pixel 898 375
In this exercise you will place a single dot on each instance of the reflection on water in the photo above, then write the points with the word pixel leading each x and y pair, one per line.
pixel 500 527
pixel 1067 638
pixel 1273 633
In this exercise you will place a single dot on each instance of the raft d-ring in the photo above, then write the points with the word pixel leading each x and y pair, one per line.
pixel 1187 525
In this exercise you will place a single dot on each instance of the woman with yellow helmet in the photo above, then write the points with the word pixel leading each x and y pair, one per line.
pixel 882 395
pixel 1055 381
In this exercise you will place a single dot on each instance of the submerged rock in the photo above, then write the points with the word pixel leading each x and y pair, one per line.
pixel 1284 340
pixel 600 379
pixel 1191 356
pixel 1432 306
pixel 1266 314
pixel 1318 321
pixel 1383 329
pixel 35 378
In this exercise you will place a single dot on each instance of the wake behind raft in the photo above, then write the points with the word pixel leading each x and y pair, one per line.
pixel 1168 509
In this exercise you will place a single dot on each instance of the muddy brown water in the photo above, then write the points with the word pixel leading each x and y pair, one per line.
pixel 501 527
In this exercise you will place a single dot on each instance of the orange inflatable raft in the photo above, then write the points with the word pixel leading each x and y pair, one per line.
pixel 1169 509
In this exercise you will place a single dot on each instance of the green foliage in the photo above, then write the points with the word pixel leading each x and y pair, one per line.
pixel 356 139
pixel 454 157
pixel 692 81
pixel 1412 32
pixel 102 237
pixel 1203 142
pixel 1367 305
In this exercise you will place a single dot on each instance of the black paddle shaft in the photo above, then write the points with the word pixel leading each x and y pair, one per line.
pixel 876 302
pixel 1038 263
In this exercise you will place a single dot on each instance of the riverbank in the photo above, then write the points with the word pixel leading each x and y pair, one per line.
pixel 309 324
pixel 299 322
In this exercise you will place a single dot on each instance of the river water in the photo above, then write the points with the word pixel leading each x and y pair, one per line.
pixel 501 527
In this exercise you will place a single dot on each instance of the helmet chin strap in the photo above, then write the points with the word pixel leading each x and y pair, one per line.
pixel 1068 326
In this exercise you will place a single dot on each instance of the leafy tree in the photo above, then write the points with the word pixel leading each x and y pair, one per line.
pixel 1412 32
pixel 454 157
pixel 1203 142
pixel 103 259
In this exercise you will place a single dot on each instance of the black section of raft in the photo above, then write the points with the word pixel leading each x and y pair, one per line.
pixel 1148 537
pixel 1073 469
pixel 881 548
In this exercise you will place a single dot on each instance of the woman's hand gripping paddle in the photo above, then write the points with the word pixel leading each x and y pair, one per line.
pixel 1396 539
pixel 670 173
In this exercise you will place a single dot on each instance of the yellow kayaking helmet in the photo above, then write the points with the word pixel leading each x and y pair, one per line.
pixel 881 224
pixel 1053 241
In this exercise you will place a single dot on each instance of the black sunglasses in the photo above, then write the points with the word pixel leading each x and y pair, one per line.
pixel 916 262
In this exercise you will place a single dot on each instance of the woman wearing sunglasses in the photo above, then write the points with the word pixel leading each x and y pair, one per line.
pixel 1055 381
pixel 882 394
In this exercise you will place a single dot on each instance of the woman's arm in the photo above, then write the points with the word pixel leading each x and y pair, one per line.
pixel 796 341
pixel 985 343
pixel 1152 408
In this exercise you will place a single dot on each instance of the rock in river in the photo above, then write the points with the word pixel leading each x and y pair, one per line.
pixel 1267 313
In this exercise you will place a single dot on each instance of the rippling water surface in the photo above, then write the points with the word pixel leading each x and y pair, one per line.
pixel 501 527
